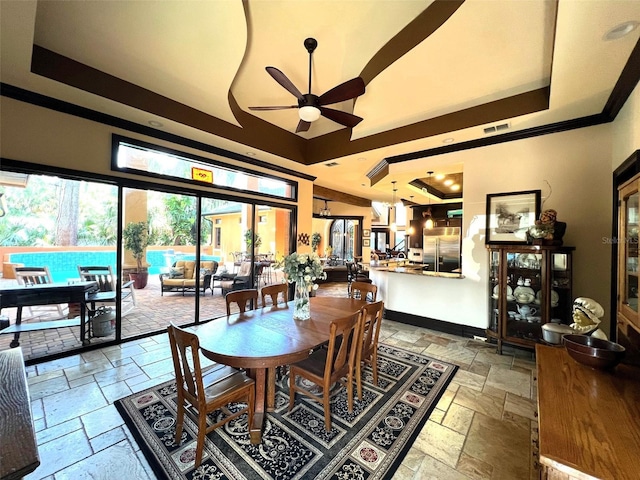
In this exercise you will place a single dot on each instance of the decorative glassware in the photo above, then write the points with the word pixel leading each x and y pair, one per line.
pixel 301 310
pixel 303 270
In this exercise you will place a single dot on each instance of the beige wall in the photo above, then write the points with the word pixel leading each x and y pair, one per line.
pixel 577 166
pixel 626 130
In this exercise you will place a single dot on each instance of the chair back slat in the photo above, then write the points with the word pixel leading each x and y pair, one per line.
pixel 274 292
pixel 370 323
pixel 363 290
pixel 343 334
pixel 32 275
pixel 102 275
pixel 241 298
pixel 186 361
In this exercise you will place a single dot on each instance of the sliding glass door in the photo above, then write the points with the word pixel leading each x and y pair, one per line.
pixel 55 225
pixel 178 255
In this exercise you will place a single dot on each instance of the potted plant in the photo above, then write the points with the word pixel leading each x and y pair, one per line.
pixel 248 240
pixel 315 240
pixel 136 240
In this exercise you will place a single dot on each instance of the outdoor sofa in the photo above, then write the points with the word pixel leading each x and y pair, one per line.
pixel 182 276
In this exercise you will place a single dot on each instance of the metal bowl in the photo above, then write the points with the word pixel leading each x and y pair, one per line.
pixel 593 352
pixel 553 332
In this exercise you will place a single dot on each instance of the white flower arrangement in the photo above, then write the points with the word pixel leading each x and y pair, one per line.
pixel 303 267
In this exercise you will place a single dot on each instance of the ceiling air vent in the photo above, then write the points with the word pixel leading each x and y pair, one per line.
pixel 331 164
pixel 496 128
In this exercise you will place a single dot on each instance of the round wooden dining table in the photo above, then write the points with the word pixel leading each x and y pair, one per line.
pixel 260 340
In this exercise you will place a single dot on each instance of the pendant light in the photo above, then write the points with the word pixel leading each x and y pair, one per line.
pixel 325 212
pixel 411 230
pixel 429 223
pixel 394 226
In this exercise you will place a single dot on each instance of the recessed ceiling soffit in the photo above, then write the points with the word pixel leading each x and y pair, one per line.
pixel 255 132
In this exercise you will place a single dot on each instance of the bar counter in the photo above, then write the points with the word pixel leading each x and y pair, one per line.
pixel 430 299
pixel 410 269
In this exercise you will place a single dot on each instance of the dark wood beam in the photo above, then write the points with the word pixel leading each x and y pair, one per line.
pixel 336 196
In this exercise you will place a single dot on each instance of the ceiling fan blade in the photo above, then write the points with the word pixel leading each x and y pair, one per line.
pixel 302 126
pixel 345 91
pixel 343 118
pixel 282 79
pixel 283 107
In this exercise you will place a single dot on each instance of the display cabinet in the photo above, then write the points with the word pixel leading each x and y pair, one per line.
pixel 628 318
pixel 529 285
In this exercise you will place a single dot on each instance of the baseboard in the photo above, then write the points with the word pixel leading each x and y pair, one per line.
pixel 433 324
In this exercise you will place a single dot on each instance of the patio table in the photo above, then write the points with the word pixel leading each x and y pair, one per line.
pixel 45 294
pixel 260 340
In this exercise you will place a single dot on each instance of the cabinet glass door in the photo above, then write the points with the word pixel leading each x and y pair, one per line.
pixel 494 289
pixel 524 305
pixel 629 242
pixel 561 300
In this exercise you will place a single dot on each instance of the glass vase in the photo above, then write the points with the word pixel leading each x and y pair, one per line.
pixel 301 310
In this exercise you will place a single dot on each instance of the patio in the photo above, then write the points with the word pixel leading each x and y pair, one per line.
pixel 151 314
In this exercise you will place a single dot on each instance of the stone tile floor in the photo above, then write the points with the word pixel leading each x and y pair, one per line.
pixel 481 428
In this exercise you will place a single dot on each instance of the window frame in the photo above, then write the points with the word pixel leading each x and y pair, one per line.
pixel 118 140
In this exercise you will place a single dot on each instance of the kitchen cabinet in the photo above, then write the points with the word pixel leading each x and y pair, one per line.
pixel 529 285
pixel 627 318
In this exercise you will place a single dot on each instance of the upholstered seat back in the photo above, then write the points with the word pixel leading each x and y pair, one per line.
pixel 189 267
pixel 245 269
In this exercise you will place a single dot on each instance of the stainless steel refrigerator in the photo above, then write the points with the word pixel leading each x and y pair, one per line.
pixel 441 249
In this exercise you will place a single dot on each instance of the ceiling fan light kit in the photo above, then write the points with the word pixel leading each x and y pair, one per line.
pixel 311 107
pixel 309 113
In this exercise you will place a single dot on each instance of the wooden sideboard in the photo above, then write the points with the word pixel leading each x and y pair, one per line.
pixel 589 420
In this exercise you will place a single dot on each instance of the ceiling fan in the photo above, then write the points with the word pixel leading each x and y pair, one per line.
pixel 311 106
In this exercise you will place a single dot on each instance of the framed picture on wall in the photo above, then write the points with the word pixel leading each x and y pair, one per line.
pixel 366 242
pixel 366 233
pixel 509 216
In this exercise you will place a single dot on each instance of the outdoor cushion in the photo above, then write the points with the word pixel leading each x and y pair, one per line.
pixel 176 272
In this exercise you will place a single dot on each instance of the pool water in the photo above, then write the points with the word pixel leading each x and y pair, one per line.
pixel 64 265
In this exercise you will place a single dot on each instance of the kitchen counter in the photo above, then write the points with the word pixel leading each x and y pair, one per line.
pixel 409 268
pixel 431 299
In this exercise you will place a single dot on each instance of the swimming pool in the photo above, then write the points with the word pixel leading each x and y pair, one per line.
pixel 64 265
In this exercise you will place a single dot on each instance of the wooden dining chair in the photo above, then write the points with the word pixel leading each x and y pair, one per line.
pixel 273 291
pixel 241 298
pixel 324 367
pixel 368 333
pixel 370 291
pixel 207 392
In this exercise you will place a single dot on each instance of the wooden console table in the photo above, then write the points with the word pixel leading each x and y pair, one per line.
pixel 18 449
pixel 589 420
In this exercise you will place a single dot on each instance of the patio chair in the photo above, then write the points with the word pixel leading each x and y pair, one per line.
pixel 239 281
pixel 324 367
pixel 106 296
pixel 241 298
pixel 368 334
pixel 37 276
pixel 206 391
pixel 273 291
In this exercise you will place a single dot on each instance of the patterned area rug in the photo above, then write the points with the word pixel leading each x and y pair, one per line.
pixel 366 444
